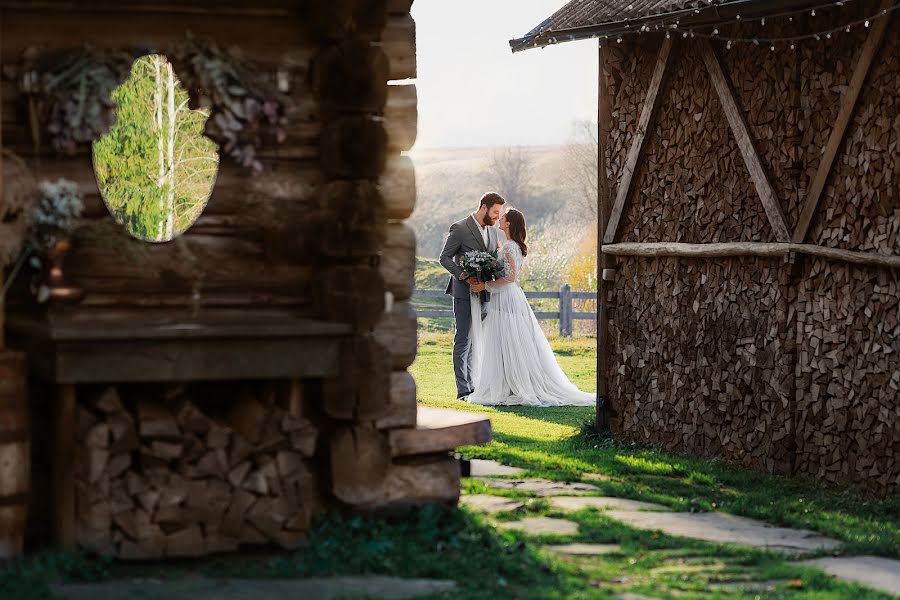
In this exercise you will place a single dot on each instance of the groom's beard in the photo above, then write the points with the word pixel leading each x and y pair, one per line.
pixel 488 221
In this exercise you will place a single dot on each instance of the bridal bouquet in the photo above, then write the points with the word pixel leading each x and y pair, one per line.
pixel 483 265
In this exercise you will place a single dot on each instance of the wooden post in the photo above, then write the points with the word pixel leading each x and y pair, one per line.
pixel 565 310
pixel 601 420
pixel 64 466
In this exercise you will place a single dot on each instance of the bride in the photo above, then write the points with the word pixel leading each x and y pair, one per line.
pixel 513 361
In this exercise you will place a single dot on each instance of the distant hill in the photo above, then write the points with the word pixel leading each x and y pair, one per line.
pixel 450 182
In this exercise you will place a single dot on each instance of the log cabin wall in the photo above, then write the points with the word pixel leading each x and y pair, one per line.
pixel 320 232
pixel 787 364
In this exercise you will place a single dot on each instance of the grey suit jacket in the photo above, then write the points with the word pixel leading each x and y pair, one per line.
pixel 464 237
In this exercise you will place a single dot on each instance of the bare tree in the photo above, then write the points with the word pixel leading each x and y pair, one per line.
pixel 581 166
pixel 509 173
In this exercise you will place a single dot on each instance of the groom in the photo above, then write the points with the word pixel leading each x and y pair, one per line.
pixel 475 232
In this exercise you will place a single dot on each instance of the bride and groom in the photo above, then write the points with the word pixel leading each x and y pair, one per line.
pixel 500 354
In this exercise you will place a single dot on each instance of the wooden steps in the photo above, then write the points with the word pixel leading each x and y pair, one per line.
pixel 440 430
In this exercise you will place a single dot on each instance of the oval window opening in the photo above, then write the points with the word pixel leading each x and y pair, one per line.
pixel 155 168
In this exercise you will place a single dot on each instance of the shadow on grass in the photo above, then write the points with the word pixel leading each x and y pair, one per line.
pixel 561 415
pixel 433 541
pixel 866 524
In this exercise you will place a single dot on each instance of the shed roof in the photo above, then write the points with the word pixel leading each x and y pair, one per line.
pixel 580 19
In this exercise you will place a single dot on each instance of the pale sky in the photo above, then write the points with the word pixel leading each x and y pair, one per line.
pixel 473 91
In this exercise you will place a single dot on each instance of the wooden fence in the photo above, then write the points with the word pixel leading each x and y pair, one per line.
pixel 565 313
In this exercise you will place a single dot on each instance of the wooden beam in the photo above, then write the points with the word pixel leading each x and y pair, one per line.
pixel 764 249
pixel 745 142
pixel 848 103
pixel 440 430
pixel 601 412
pixel 637 143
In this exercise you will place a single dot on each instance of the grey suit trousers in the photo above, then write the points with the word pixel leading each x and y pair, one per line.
pixel 462 350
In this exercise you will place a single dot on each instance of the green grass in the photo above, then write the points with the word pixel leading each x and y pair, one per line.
pixel 549 442
pixel 439 542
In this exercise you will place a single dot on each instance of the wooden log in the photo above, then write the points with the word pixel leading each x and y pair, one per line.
pixel 156 421
pixel 15 453
pixel 187 542
pixel 398 261
pixel 440 430
pixel 399 7
pixel 362 391
pixel 399 42
pixel 401 410
pixel 401 117
pixel 352 219
pixel 351 77
pixel 421 481
pixel 396 333
pixel 64 467
pixel 352 294
pixel 637 144
pixel 848 103
pixel 398 187
pixel 745 142
pixel 272 35
pixel 774 249
pixel 329 20
pixel 354 147
pixel 360 457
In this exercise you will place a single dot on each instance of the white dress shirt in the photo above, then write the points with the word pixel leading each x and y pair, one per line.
pixel 484 231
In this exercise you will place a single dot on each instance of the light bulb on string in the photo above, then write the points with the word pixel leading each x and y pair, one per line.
pixel 813 12
pixel 867 23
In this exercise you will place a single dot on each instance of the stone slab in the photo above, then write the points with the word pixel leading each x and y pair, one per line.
pixel 542 526
pixel 597 477
pixel 601 503
pixel 489 468
pixel 882 574
pixel 192 588
pixel 542 487
pixel 490 504
pixel 728 529
pixel 584 549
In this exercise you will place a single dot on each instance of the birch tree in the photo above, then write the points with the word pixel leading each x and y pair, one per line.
pixel 155 168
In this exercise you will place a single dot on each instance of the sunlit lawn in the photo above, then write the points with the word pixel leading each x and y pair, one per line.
pixel 544 441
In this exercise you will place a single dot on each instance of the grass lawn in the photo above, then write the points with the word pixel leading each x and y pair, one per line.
pixel 441 542
pixel 546 442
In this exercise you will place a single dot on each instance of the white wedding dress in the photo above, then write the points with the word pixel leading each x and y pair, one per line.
pixel 513 363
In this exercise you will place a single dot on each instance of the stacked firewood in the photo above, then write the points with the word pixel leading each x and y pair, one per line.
pixel 165 479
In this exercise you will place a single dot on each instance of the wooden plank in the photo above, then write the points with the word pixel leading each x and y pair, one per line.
pixel 65 467
pixel 637 143
pixel 764 249
pixel 745 142
pixel 848 103
pixel 440 430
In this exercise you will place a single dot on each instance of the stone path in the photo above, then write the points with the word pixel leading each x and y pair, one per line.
pixel 878 573
pixel 602 503
pixel 490 468
pixel 584 549
pixel 883 574
pixel 490 504
pixel 192 588
pixel 542 526
pixel 722 528
pixel 541 487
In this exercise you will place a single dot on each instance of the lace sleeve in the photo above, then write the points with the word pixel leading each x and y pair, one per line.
pixel 511 273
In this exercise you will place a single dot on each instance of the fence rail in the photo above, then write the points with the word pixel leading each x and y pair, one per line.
pixel 565 314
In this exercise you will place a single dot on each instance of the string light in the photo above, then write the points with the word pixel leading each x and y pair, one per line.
pixel 669 25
